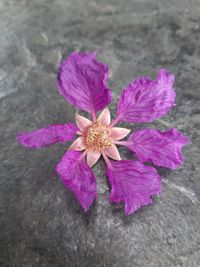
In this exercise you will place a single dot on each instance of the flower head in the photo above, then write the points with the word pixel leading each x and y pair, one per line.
pixel 82 82
pixel 98 137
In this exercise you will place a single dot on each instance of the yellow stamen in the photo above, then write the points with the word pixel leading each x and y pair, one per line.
pixel 98 137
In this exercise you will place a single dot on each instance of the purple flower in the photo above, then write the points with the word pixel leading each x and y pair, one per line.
pixel 82 81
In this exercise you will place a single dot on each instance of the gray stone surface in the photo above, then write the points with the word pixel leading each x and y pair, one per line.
pixel 41 223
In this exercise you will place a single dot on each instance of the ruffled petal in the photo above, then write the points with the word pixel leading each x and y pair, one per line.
pixel 162 148
pixel 92 157
pixel 145 100
pixel 78 177
pixel 82 82
pixel 112 152
pixel 132 183
pixel 82 122
pixel 58 133
pixel 117 133
pixel 77 145
pixel 104 117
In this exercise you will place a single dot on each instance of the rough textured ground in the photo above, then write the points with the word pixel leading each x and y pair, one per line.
pixel 41 223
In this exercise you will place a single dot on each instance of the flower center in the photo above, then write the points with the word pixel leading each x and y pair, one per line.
pixel 98 137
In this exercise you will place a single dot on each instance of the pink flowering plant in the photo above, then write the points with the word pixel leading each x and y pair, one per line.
pixel 82 82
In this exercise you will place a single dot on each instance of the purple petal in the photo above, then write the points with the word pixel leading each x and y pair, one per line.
pixel 132 183
pixel 162 148
pixel 78 177
pixel 145 100
pixel 82 82
pixel 57 133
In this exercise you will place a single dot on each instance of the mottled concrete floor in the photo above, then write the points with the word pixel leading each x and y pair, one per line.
pixel 41 223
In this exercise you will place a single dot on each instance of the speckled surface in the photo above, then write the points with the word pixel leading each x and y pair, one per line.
pixel 41 223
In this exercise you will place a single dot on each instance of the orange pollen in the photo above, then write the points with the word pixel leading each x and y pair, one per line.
pixel 97 137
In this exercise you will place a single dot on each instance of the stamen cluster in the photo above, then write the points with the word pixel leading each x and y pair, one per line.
pixel 98 137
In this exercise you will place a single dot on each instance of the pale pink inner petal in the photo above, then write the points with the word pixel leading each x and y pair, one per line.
pixel 82 122
pixel 78 144
pixel 104 117
pixel 92 157
pixel 118 133
pixel 112 152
